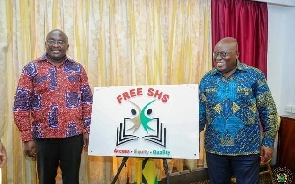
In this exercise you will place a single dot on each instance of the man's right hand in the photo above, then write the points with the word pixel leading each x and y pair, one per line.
pixel 30 148
pixel 3 155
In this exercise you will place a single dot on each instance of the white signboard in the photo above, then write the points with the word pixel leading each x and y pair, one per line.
pixel 160 121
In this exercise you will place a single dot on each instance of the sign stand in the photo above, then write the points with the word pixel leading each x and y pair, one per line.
pixel 166 170
pixel 145 160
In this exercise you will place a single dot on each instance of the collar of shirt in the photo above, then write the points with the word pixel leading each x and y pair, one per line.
pixel 44 58
pixel 240 66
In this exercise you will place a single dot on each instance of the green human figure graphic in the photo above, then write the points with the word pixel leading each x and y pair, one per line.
pixel 142 118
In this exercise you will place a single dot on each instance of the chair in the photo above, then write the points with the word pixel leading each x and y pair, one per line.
pixel 265 169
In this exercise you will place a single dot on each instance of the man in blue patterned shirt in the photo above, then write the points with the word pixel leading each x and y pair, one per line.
pixel 235 105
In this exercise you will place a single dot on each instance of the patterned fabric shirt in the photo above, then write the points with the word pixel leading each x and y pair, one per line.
pixel 52 102
pixel 234 109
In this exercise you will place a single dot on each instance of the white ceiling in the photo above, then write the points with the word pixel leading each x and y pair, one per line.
pixel 279 2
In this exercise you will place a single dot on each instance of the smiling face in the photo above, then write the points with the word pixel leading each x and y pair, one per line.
pixel 56 46
pixel 225 56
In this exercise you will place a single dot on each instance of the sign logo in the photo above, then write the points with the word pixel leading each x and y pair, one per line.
pixel 141 117
pixel 282 175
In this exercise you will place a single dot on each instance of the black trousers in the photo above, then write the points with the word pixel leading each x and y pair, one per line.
pixel 63 152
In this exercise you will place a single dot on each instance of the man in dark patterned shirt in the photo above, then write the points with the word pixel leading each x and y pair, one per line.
pixel 235 105
pixel 52 110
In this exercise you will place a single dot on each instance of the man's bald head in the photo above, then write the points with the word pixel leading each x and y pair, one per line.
pixel 230 41
pixel 58 31
pixel 225 55
pixel 56 46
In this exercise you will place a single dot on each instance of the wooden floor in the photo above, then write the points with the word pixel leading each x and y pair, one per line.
pixel 187 177
pixel 198 177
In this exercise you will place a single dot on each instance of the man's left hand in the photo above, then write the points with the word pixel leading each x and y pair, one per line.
pixel 266 153
pixel 86 140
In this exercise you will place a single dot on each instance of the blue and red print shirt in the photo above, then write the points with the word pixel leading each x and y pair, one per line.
pixel 52 102
pixel 234 109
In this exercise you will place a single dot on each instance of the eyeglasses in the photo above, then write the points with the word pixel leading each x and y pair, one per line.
pixel 222 54
pixel 58 42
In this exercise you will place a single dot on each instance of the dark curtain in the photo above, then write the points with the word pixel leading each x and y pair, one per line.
pixel 247 21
